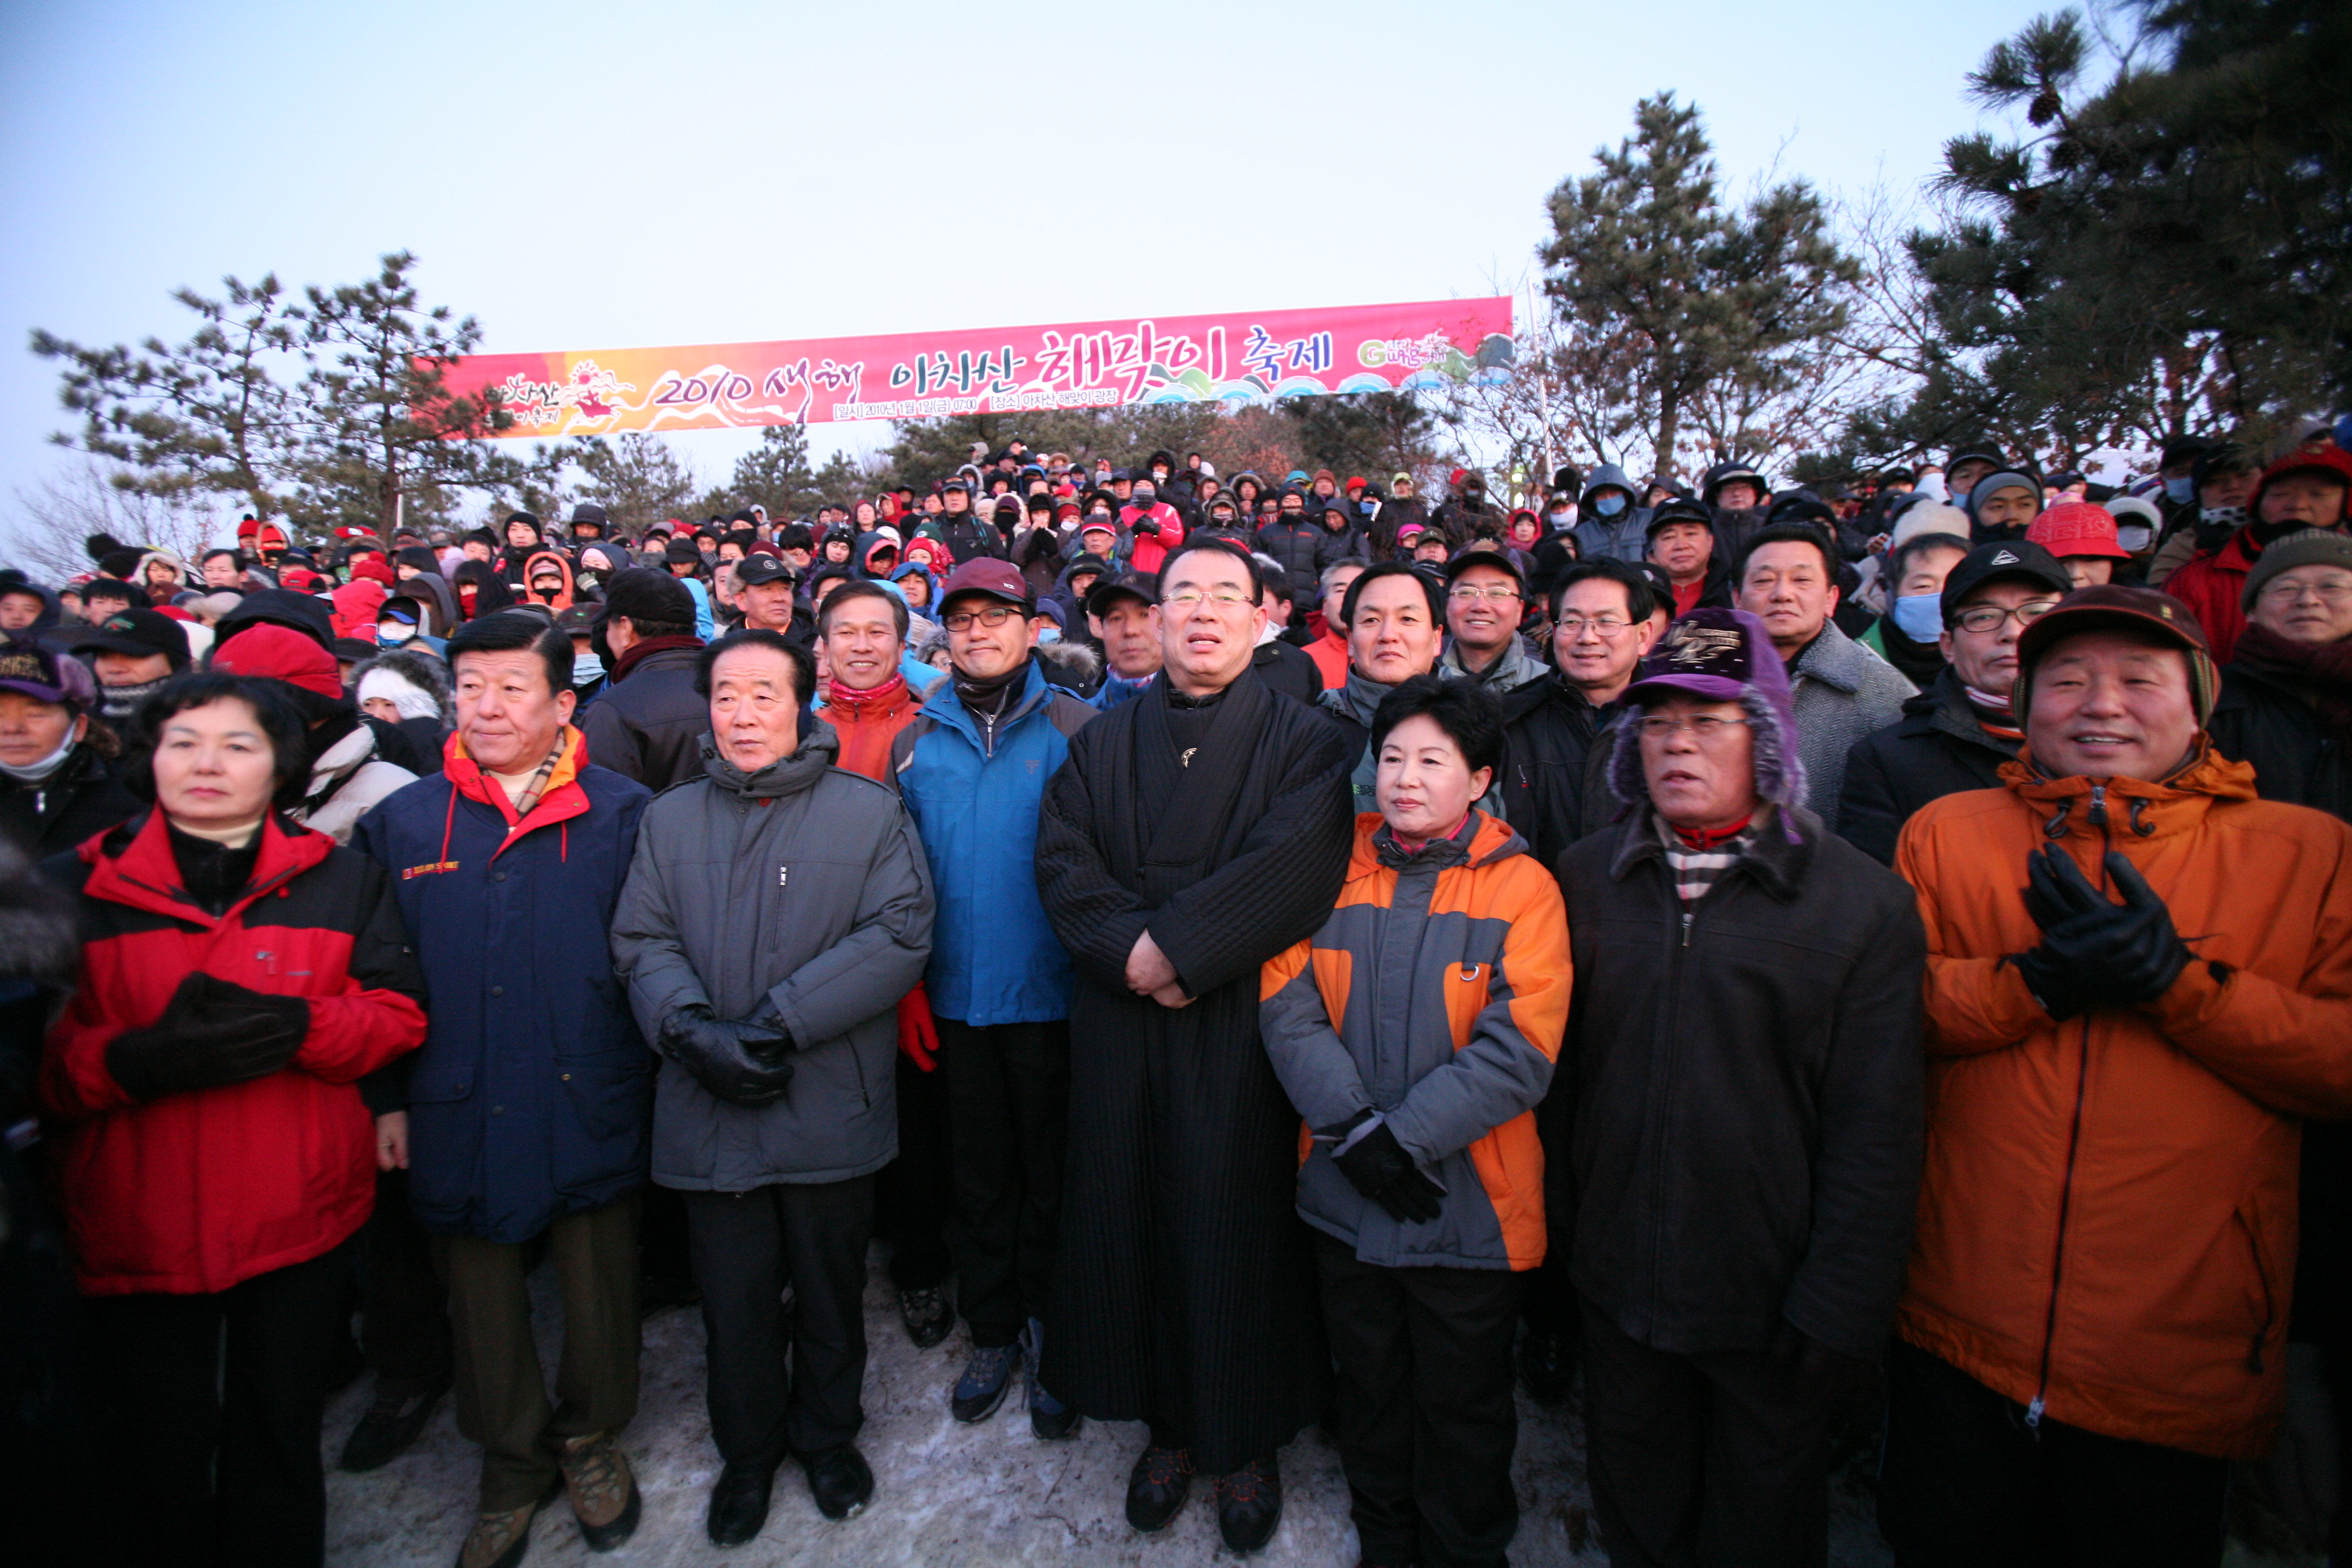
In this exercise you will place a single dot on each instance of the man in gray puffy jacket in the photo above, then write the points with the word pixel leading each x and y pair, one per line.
pixel 776 909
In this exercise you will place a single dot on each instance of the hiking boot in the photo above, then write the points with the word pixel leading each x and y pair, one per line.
pixel 739 1502
pixel 1249 1505
pixel 839 1480
pixel 1157 1486
pixel 986 1377
pixel 604 1497
pixel 1048 1418
pixel 1547 1364
pixel 499 1540
pixel 389 1425
pixel 927 1315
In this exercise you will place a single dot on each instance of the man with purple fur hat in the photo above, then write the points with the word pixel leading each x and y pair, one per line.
pixel 1744 1054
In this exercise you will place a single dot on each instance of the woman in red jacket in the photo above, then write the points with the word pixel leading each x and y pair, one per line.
pixel 239 975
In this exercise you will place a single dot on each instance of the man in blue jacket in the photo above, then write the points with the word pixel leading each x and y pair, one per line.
pixel 529 1108
pixel 971 768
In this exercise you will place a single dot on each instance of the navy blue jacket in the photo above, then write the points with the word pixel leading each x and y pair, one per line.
pixel 533 1095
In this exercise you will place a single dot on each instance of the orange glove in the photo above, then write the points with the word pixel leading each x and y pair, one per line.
pixel 918 1036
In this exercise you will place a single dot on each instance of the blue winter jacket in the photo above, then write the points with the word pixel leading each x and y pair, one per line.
pixel 533 1095
pixel 994 959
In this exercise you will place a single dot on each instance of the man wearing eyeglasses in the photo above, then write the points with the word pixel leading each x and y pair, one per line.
pixel 1197 830
pixel 971 767
pixel 1956 734
pixel 1486 596
pixel 1746 1072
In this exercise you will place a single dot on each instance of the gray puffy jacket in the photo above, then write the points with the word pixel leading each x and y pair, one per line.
pixel 801 884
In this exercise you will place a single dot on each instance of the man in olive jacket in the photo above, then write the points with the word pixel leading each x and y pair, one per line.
pixel 777 909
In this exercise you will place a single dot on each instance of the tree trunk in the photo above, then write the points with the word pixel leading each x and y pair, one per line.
pixel 1670 422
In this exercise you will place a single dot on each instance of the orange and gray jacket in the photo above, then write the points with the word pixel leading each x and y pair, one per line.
pixel 1435 995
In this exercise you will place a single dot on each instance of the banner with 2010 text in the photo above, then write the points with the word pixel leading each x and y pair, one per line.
pixel 1240 357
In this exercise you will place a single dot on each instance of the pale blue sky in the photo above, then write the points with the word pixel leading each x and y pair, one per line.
pixel 587 175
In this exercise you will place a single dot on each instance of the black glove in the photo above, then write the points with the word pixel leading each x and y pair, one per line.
pixel 212 1032
pixel 2095 952
pixel 742 1061
pixel 1384 1173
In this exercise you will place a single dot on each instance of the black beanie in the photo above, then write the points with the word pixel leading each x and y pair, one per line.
pixel 644 595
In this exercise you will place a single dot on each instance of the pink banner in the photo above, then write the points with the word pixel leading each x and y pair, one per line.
pixel 918 376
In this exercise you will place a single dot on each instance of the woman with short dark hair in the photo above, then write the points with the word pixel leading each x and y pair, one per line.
pixel 239 975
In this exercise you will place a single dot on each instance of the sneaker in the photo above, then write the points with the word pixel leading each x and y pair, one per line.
pixel 927 1315
pixel 389 1425
pixel 1048 1418
pixel 1156 1488
pixel 986 1377
pixel 839 1480
pixel 499 1540
pixel 604 1497
pixel 1249 1505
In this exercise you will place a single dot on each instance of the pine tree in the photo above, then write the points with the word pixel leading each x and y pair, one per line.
pixel 384 439
pixel 638 479
pixel 1645 256
pixel 775 474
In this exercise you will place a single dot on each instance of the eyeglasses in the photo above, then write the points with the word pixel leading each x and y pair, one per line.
pixel 2285 593
pixel 1470 593
pixel 1599 625
pixel 994 615
pixel 1706 728
pixel 1190 599
pixel 1988 617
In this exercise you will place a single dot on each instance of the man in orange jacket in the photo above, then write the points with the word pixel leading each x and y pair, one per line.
pixel 2139 978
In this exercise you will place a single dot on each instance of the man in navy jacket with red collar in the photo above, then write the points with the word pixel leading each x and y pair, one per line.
pixel 528 1109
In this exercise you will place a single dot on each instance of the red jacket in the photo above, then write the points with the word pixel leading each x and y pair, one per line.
pixel 190 1193
pixel 2214 588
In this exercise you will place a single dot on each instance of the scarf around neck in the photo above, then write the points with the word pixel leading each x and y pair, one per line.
pixel 2323 671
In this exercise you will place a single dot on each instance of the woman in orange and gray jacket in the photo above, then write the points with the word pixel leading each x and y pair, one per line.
pixel 2096 1317
pixel 1416 1032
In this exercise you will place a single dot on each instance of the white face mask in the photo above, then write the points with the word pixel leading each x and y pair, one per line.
pixel 586 669
pixel 2134 536
pixel 393 632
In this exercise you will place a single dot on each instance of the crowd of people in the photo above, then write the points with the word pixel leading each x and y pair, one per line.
pixel 1261 954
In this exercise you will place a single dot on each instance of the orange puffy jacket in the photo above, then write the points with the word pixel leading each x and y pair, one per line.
pixel 2107 1218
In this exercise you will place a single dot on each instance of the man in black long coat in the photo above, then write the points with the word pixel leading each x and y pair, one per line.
pixel 1195 832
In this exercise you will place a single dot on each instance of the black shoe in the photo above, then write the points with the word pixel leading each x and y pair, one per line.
pixel 388 1427
pixel 927 1314
pixel 839 1480
pixel 1249 1505
pixel 1156 1486
pixel 1547 1365
pixel 739 1502
pixel 986 1377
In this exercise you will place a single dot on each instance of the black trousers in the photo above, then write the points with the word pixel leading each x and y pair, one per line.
pixel 747 1247
pixel 912 1193
pixel 404 1306
pixel 212 1406
pixel 1965 1482
pixel 1551 1299
pixel 1426 1424
pixel 1713 1459
pixel 1008 1089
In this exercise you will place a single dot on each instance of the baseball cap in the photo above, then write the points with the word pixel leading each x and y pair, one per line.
pixel 2003 558
pixel 1674 509
pixel 2077 528
pixel 45 675
pixel 986 575
pixel 1109 590
pixel 139 633
pixel 2114 607
pixel 754 570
